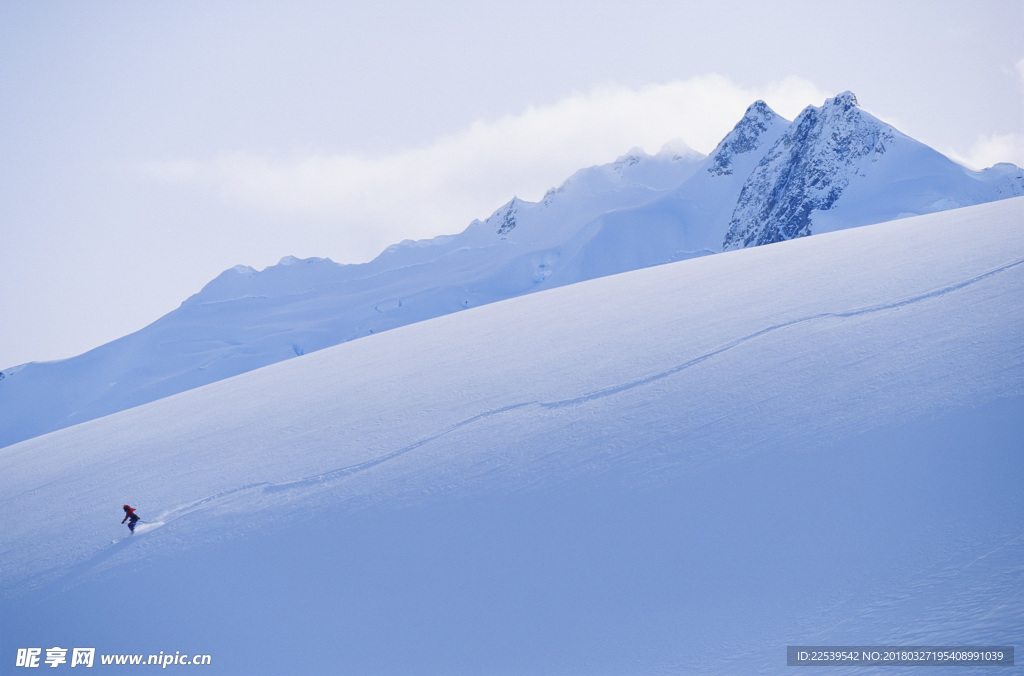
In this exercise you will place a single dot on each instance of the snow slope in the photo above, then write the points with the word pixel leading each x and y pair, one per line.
pixel 834 167
pixel 681 469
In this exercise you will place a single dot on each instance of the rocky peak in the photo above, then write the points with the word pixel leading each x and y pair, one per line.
pixel 843 101
pixel 504 219
pixel 806 170
pixel 745 137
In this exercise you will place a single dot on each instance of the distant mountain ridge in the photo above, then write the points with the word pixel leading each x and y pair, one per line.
pixel 768 180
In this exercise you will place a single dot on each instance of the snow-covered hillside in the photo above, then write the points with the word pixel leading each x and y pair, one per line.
pixel 834 167
pixel 681 469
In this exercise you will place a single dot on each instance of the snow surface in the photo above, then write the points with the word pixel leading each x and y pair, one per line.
pixel 681 469
pixel 834 167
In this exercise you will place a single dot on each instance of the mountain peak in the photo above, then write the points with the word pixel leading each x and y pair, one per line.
pixel 843 101
pixel 759 110
pixel 806 171
pixel 745 137
pixel 505 217
pixel 677 149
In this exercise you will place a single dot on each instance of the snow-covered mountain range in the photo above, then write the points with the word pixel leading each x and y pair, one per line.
pixel 769 180
pixel 675 470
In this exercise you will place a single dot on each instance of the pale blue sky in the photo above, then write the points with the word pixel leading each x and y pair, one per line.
pixel 147 146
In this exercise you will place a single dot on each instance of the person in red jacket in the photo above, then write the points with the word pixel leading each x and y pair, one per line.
pixel 129 513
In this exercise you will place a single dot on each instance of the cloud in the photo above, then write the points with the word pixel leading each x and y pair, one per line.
pixel 992 149
pixel 438 188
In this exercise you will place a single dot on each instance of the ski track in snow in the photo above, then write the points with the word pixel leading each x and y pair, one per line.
pixel 783 325
pixel 326 477
pixel 323 478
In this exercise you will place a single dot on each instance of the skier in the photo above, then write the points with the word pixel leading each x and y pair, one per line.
pixel 129 513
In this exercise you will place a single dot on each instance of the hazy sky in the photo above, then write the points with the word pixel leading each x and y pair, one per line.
pixel 145 147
